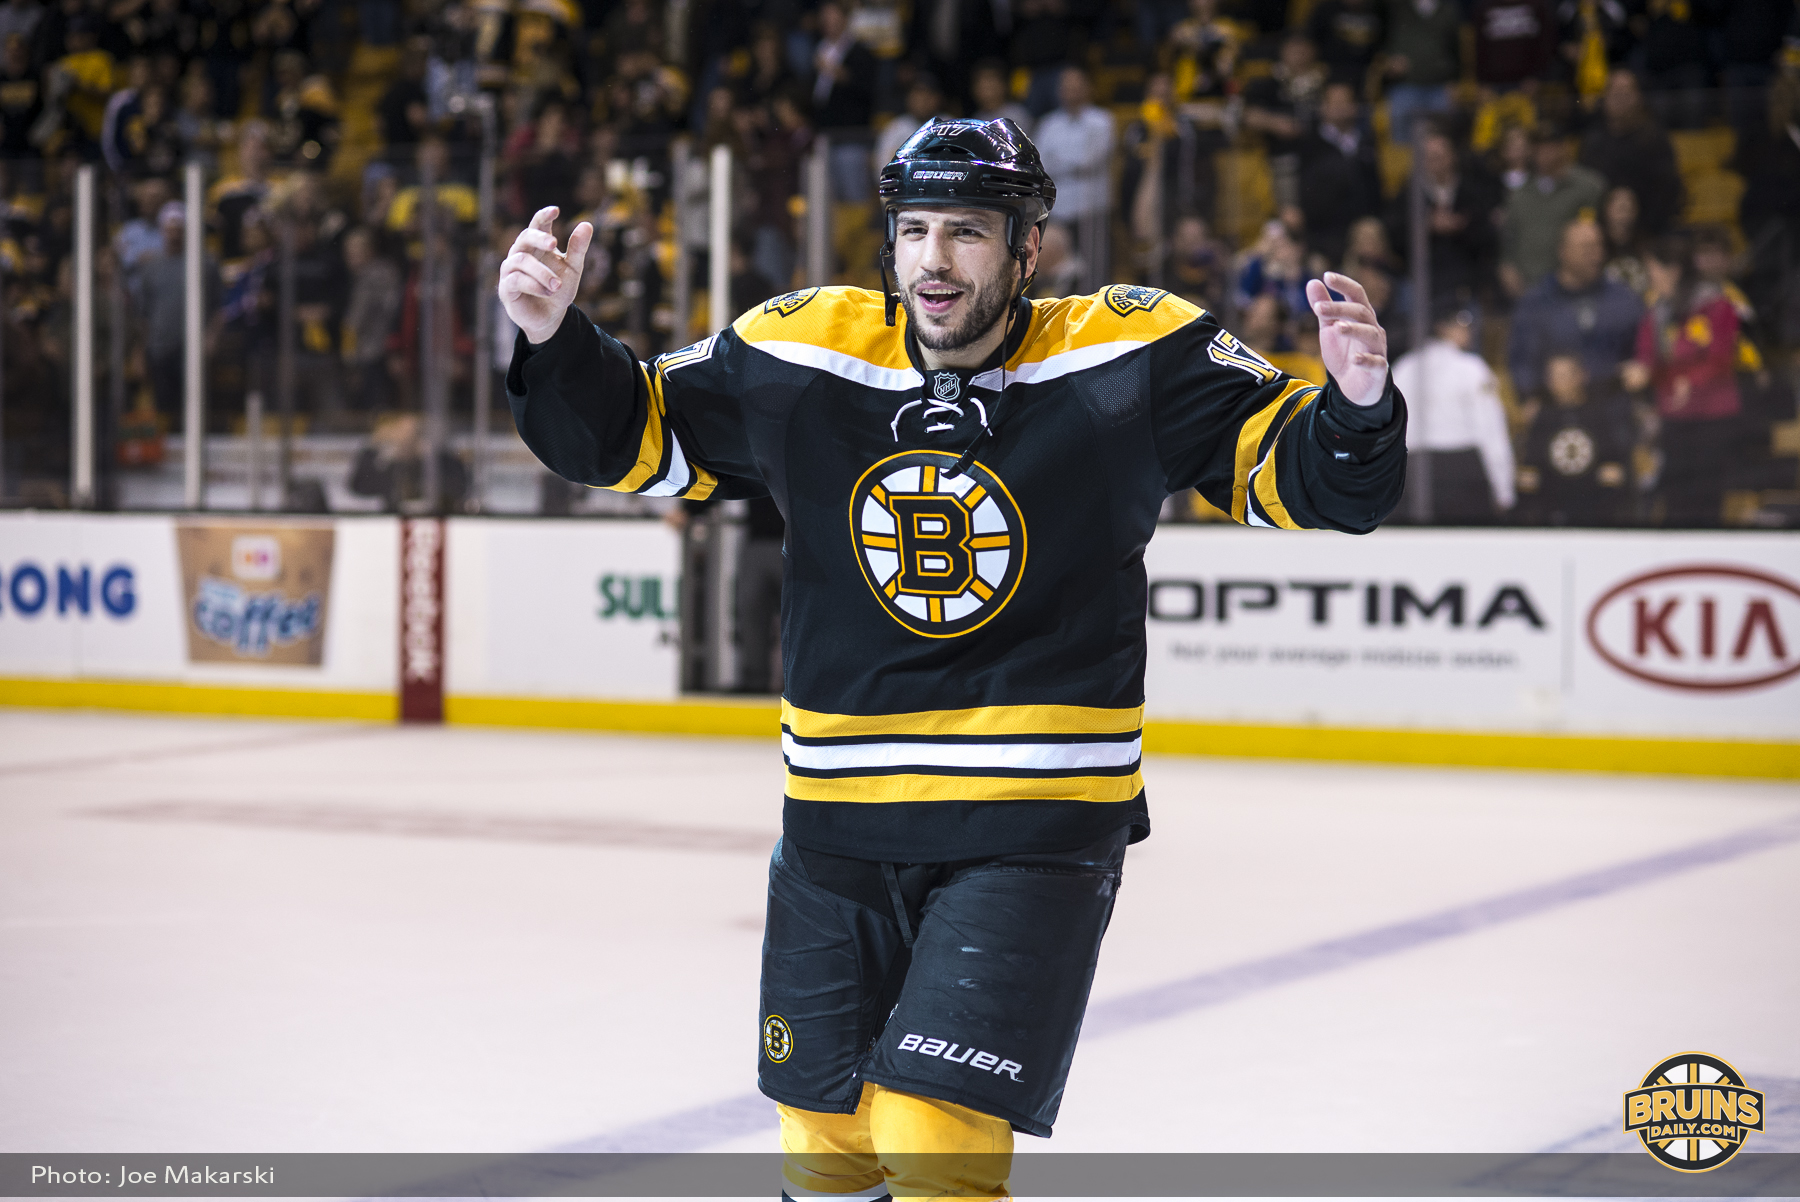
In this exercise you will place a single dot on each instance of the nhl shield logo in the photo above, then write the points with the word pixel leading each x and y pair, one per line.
pixel 790 303
pixel 946 386
pixel 942 555
pixel 1126 299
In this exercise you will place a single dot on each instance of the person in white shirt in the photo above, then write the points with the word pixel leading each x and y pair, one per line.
pixel 988 88
pixel 924 100
pixel 1454 415
pixel 1076 142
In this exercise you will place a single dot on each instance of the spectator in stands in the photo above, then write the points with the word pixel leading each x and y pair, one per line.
pixel 1339 180
pixel 404 109
pixel 456 201
pixel 392 466
pixel 1574 310
pixel 1076 144
pixel 1575 464
pixel 1687 347
pixel 230 198
pixel 1455 419
pixel 1515 42
pixel 542 159
pixel 369 320
pixel 1537 213
pixel 1629 150
pixel 160 285
pixel 1202 52
pixel 843 100
pixel 1041 44
pixel 139 236
pixel 1280 106
pixel 1371 262
pixel 1199 264
pixel 1624 244
pixel 1459 204
pixel 988 87
pixel 1770 218
pixel 194 121
pixel 1058 270
pixel 782 144
pixel 21 105
pixel 768 73
pixel 1263 326
pixel 20 17
pixel 1511 159
pixel 1677 62
pixel 1275 266
pixel 924 100
pixel 1422 58
pixel 1347 33
pixel 1747 49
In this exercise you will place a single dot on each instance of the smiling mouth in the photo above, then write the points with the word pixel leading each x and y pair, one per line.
pixel 937 299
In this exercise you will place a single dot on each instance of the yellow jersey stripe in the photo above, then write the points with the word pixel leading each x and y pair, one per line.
pixel 924 787
pixel 999 721
pixel 1266 490
pixel 650 447
pixel 1249 447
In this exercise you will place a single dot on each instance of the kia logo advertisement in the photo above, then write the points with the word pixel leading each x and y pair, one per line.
pixel 1707 626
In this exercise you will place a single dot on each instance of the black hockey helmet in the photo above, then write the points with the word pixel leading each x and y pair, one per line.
pixel 956 163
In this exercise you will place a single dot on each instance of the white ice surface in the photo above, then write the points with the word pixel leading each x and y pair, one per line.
pixel 558 939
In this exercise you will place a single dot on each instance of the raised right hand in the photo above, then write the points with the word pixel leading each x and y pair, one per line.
pixel 537 281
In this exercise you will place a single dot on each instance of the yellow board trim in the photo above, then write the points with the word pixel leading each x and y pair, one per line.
pixel 926 787
pixel 997 720
pixel 1469 749
pixel 175 698
pixel 747 718
pixel 762 718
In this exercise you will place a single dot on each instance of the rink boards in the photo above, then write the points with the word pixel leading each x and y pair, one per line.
pixel 1629 650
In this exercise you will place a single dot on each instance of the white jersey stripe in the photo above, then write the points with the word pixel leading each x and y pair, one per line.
pixel 1060 756
pixel 679 477
pixel 837 363
pixel 1053 366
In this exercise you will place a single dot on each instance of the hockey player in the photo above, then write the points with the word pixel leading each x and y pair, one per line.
pixel 969 481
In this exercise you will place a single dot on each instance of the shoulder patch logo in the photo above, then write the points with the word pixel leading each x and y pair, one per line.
pixel 1126 299
pixel 941 556
pixel 790 303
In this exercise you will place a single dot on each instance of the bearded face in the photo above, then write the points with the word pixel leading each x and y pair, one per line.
pixel 956 274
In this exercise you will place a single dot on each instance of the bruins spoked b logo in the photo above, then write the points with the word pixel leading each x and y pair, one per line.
pixel 1693 1112
pixel 778 1038
pixel 943 555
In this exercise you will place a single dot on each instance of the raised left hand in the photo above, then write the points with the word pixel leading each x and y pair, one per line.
pixel 1351 340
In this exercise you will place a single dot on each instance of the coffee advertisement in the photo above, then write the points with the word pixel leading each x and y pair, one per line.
pixel 255 594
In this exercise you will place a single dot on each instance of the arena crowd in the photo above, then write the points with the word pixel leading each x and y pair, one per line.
pixel 1611 310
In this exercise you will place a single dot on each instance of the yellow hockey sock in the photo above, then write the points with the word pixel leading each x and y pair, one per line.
pixel 934 1149
pixel 830 1155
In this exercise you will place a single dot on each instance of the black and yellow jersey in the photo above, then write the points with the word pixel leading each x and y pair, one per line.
pixel 963 653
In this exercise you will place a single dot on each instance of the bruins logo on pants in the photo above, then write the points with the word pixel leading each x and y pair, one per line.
pixel 778 1038
pixel 942 556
